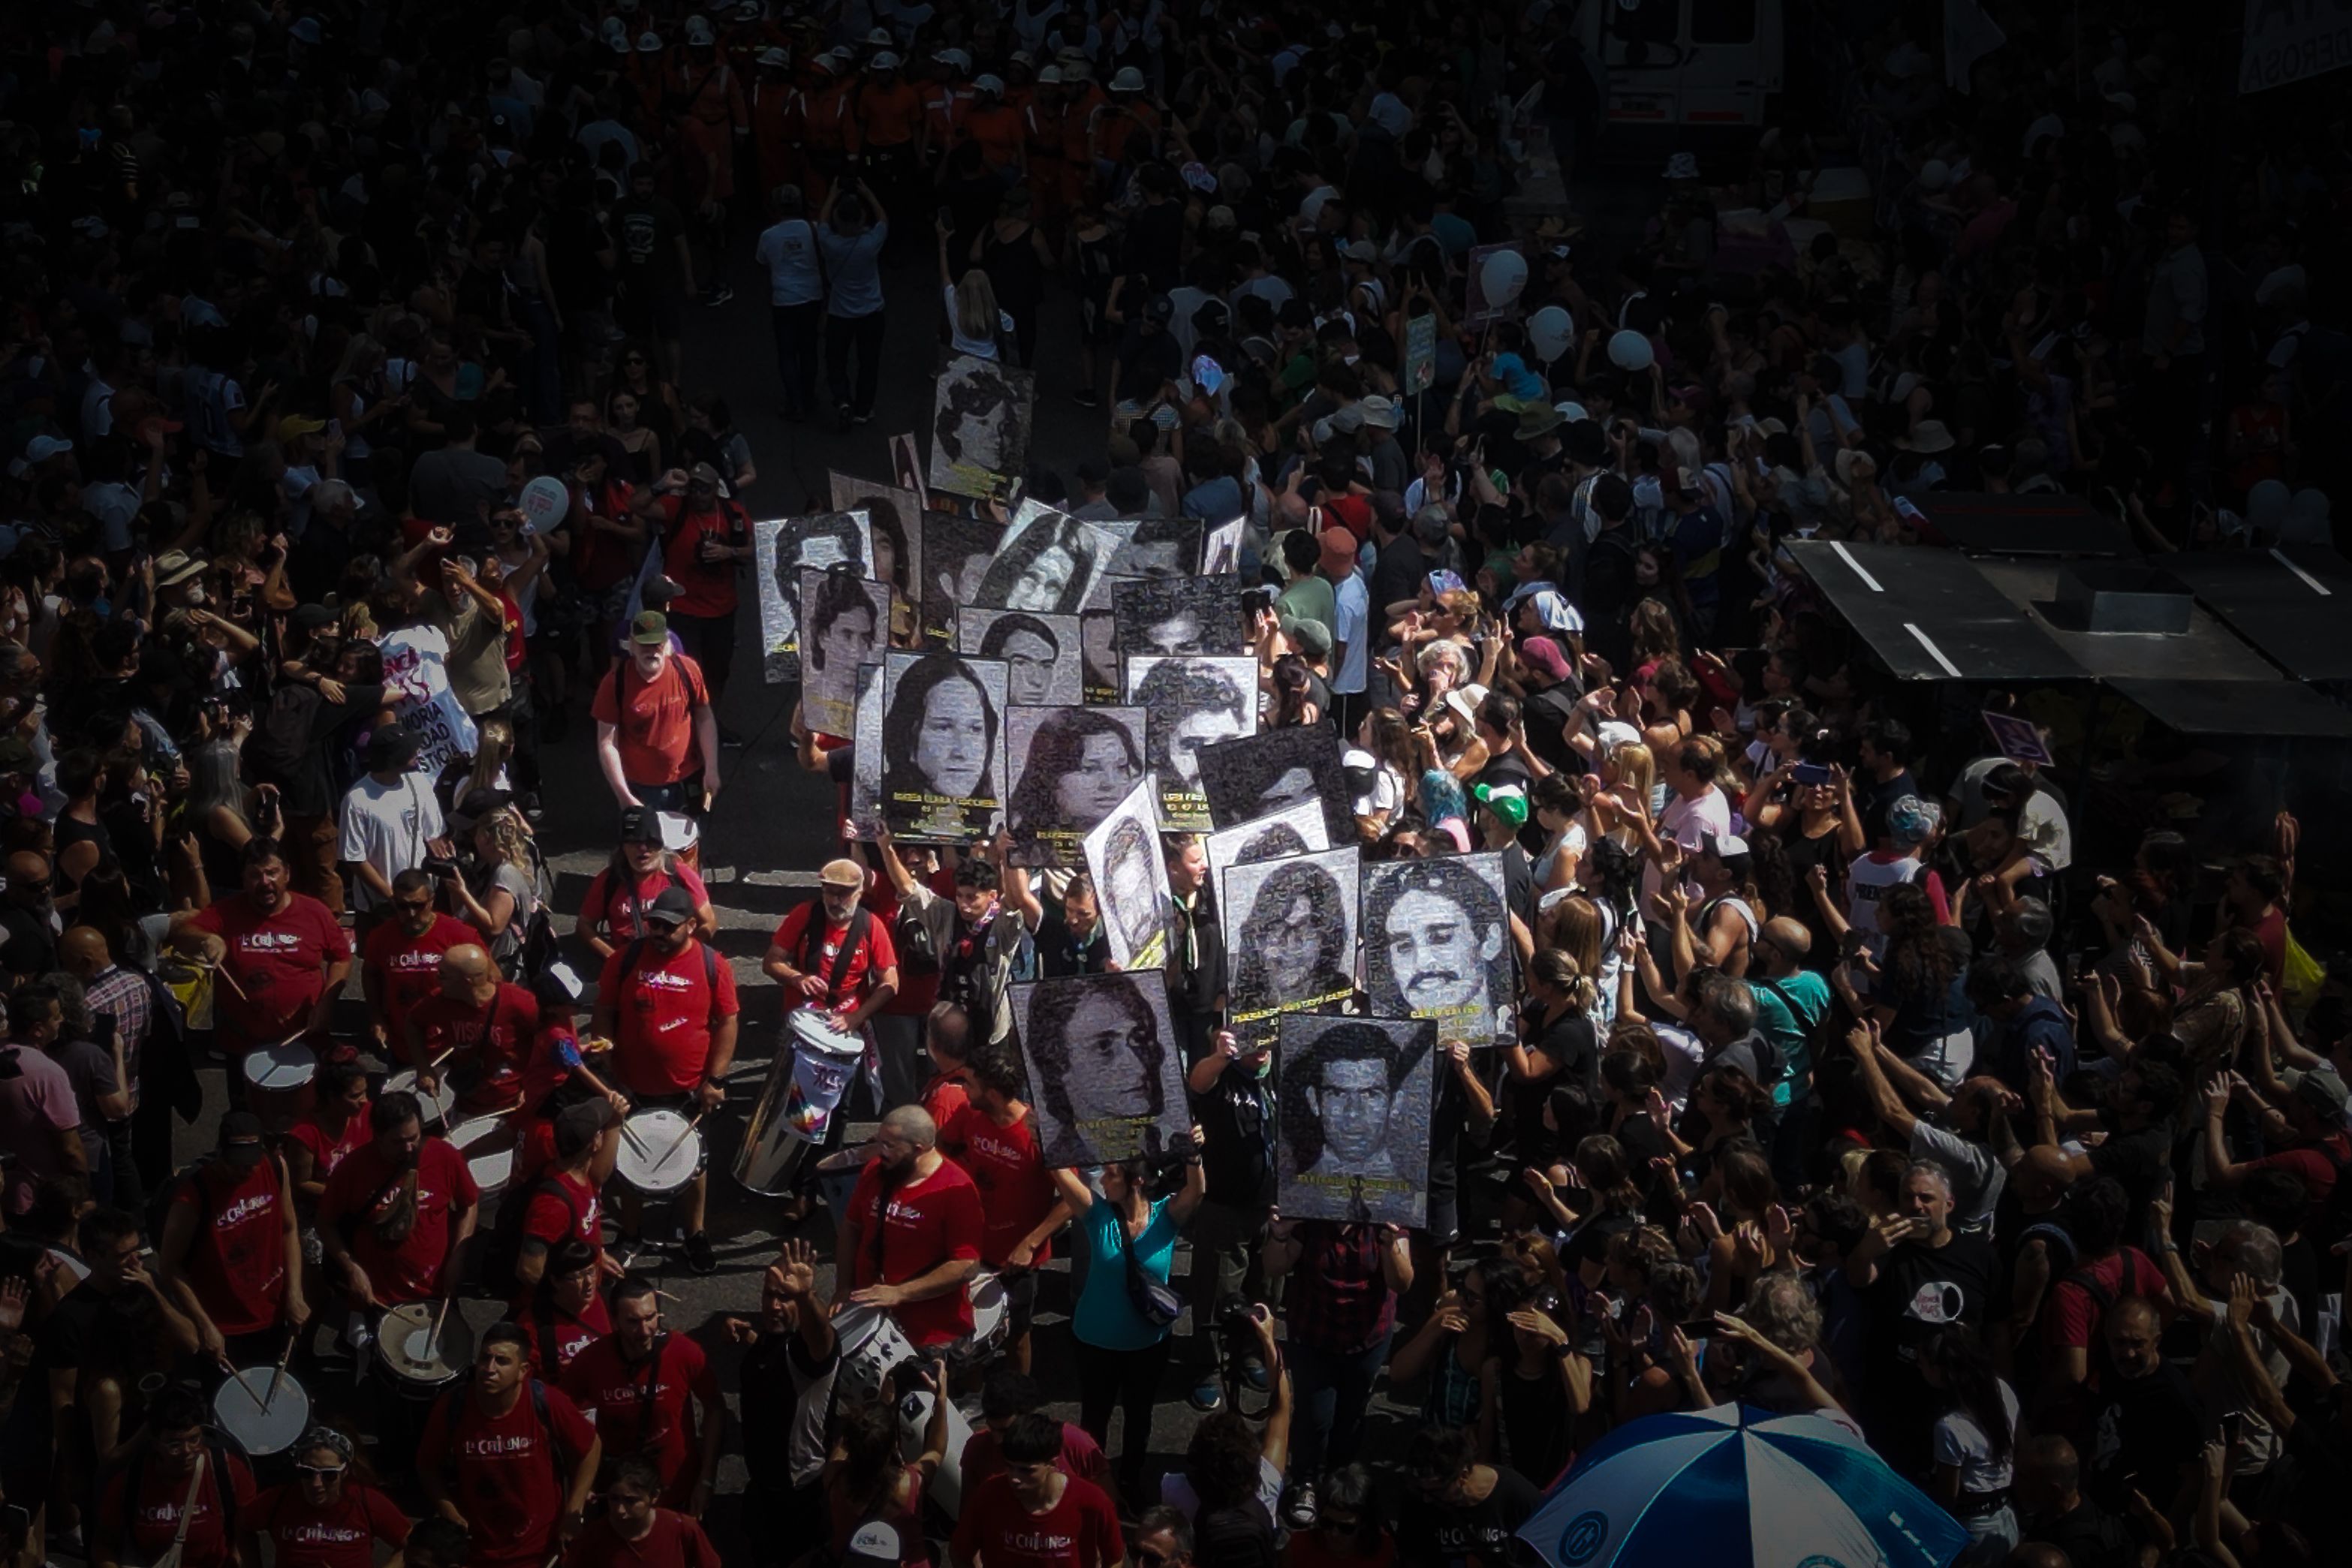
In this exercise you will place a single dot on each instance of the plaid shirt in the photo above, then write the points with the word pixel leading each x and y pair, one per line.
pixel 1340 1299
pixel 123 994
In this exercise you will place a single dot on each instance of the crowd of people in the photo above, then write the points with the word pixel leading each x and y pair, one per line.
pixel 1843 1062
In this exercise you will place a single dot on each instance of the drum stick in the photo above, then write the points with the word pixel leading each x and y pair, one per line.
pixel 219 969
pixel 278 1376
pixel 433 1339
pixel 631 1140
pixel 680 1139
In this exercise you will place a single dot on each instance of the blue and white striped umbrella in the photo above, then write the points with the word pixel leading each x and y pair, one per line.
pixel 1738 1485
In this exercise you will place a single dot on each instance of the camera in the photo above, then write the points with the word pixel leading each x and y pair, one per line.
pixel 439 865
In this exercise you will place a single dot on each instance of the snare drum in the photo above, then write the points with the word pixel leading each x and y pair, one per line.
pixel 914 1421
pixel 279 1083
pixel 262 1422
pixel 489 1145
pixel 872 1345
pixel 991 1321
pixel 440 1106
pixel 661 1153
pixel 796 1107
pixel 410 1360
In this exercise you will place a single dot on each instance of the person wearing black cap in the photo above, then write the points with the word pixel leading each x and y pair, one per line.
pixel 668 1003
pixel 231 1254
pixel 640 871
pixel 390 822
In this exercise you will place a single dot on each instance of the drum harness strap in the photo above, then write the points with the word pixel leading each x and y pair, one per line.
pixel 643 1386
pixel 453 1407
pixel 812 938
pixel 217 1456
pixel 632 957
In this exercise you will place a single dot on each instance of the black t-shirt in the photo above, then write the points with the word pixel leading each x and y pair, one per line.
pixel 1236 1118
pixel 1059 952
pixel 2139 1160
pixel 1466 1535
pixel 1920 1290
pixel 1146 359
pixel 2090 1536
pixel 1546 714
pixel 1397 571
pixel 2142 1431
pixel 777 1379
pixel 645 234
pixel 1871 799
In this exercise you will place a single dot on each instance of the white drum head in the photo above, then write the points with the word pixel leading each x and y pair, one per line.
pixel 289 1065
pixel 679 831
pixel 440 1104
pixel 987 1304
pixel 406 1343
pixel 661 1154
pixel 812 1028
pixel 487 1144
pixel 262 1423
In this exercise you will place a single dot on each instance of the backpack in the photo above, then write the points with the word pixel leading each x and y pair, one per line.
pixel 632 954
pixel 503 1249
pixel 280 743
pixel 917 953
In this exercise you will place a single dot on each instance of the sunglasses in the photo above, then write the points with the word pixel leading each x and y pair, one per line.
pixel 321 1471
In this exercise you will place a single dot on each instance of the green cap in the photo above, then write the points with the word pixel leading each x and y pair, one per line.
pixel 650 629
pixel 1507 802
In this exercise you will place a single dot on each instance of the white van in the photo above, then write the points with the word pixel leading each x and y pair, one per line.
pixel 1668 65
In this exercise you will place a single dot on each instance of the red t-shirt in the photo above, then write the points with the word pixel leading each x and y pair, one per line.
pixel 152 1518
pixel 657 738
pixel 367 1184
pixel 859 969
pixel 674 1541
pixel 493 1042
pixel 237 1262
pixel 1007 1165
pixel 501 1474
pixel 277 961
pixel 1081 1531
pixel 2316 1168
pixel 644 1408
pixel 534 1149
pixel 929 1222
pixel 709 590
pixel 554 1057
pixel 1081 1457
pixel 563 1336
pixel 408 968
pixel 549 1219
pixel 946 1095
pixel 328 1149
pixel 601 559
pixel 2072 1319
pixel 611 908
pixel 340 1536
pixel 662 1012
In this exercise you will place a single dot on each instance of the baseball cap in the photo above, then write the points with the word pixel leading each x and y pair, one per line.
pixel 2324 1092
pixel 1910 820
pixel 576 1126
pixel 841 874
pixel 875 1545
pixel 1546 655
pixel 671 906
pixel 1507 802
pixel 640 826
pixel 478 804
pixel 650 629
pixel 240 1139
pixel 1311 634
pixel 1724 846
pixel 391 747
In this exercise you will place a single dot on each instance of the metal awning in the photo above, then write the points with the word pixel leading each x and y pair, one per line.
pixel 2041 523
pixel 2276 708
pixel 1929 614
pixel 2206 651
pixel 2292 601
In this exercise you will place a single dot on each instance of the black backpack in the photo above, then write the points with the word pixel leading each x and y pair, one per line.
pixel 912 938
pixel 280 743
pixel 503 1249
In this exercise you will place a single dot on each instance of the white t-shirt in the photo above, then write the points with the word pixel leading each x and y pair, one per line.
pixel 1960 1440
pixel 386 826
pixel 1690 821
pixel 1350 624
pixel 788 250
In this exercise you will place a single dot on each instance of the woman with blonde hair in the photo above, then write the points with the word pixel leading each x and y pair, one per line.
pixel 496 892
pixel 974 319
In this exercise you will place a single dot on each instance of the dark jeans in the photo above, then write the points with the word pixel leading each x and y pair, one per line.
pixel 1129 1379
pixel 1333 1389
pixel 796 353
pixel 710 642
pixel 1225 1243
pixel 862 335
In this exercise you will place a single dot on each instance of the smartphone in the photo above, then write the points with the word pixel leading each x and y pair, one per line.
pixel 1811 773
pixel 1850 943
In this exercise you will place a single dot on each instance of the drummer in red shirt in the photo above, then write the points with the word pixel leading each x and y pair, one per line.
pixel 401 965
pixel 282 955
pixel 232 1253
pixel 567 1312
pixel 139 1516
pixel 912 1234
pixel 656 727
pixel 637 1532
pixel 398 1209
pixel 479 1028
pixel 638 873
pixel 706 541
pixel 508 1458
pixel 327 1516
pixel 558 1074
pixel 562 1205
pixel 994 1139
pixel 837 956
pixel 641 1384
pixel 668 1004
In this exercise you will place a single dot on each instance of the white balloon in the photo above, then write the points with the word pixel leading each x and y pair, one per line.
pixel 1629 350
pixel 545 500
pixel 1502 276
pixel 1551 331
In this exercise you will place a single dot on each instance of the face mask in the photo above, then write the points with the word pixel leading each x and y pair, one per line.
pixel 89 135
